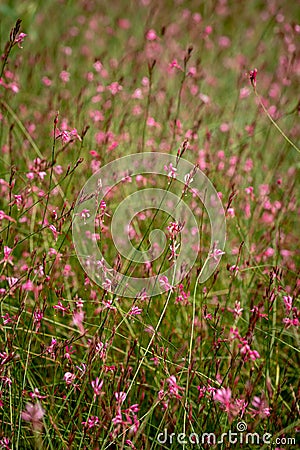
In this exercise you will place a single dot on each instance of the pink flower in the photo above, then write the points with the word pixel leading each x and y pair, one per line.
pixel 171 170
pixel 5 443
pixel 64 76
pixel 60 307
pixel 151 35
pixel 107 284
pixel 46 81
pixel 7 255
pixel 224 41
pixel 91 422
pixel 6 319
pixel 291 322
pixel 52 347
pixel 97 385
pixel 135 311
pixel 223 396
pixel 208 30
pixel 5 216
pixel 165 283
pixel 114 88
pixel 237 311
pixel 216 253
pixel 175 228
pixel 152 123
pixel 244 92
pixel 131 445
pixel 28 286
pixel 36 394
pixel 174 65
pixel 124 24
pixel 182 296
pixel 54 231
pixel 34 414
pixel 173 387
pixel 69 378
pixel 252 77
pixel 78 317
pixel 230 212
pixel 19 39
pixel 261 407
pixel 68 352
pixel 173 248
pixel 224 127
pixel 120 396
pixel 98 66
pixel 288 302
pixel 37 318
pixel 118 417
pixel 247 352
pixel 109 305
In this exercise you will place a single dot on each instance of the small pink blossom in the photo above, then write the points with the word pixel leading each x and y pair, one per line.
pixel 69 378
pixel 247 352
pixel 78 317
pixel 237 311
pixel 5 216
pixel 46 81
pixel 174 388
pixel 151 35
pixel 182 296
pixel 252 77
pixel 164 282
pixel 64 76
pixel 7 255
pixel 60 307
pixel 208 30
pixel 244 92
pixel 174 228
pixel 115 88
pixel 20 39
pixel 54 231
pixel 216 253
pixel 135 311
pixel 173 249
pixel 98 66
pixel 171 170
pixel 261 407
pixel 120 397
pixel 224 42
pixel 68 352
pixel 91 422
pixel 33 413
pixel 97 386
pixel 37 318
pixel 223 396
pixel 5 443
pixel 6 319
pixel 288 302
pixel 289 322
pixel 107 284
pixel 174 65
pixel 130 444
pixel 28 286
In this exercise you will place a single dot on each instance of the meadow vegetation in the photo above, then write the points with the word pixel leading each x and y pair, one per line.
pixel 83 83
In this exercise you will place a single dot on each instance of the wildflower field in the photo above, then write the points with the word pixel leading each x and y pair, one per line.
pixel 149 216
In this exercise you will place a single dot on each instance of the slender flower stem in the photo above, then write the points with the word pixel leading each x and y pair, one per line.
pixel 154 334
pixel 273 121
pixel 150 70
